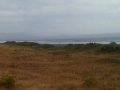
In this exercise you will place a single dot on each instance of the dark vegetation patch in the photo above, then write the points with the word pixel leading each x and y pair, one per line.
pixel 101 48
pixel 89 82
pixel 32 44
pixel 60 53
pixel 108 88
pixel 109 60
pixel 68 87
pixel 110 48
pixel 96 47
pixel 83 47
pixel 7 81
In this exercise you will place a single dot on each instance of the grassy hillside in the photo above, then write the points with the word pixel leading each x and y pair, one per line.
pixel 71 67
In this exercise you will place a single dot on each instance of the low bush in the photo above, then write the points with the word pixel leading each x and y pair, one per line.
pixel 113 43
pixel 76 47
pixel 11 42
pixel 93 44
pixel 31 44
pixel 107 48
pixel 47 46
pixel 7 81
pixel 27 43
pixel 83 47
pixel 110 48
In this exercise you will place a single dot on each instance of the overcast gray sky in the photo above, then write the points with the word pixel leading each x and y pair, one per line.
pixel 59 17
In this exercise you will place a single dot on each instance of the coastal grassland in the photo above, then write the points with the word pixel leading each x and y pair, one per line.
pixel 60 68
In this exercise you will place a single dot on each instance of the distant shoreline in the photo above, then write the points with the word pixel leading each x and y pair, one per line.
pixel 63 43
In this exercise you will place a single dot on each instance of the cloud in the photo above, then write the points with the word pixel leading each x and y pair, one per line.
pixel 58 17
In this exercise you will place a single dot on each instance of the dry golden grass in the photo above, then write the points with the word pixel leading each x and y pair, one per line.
pixel 59 69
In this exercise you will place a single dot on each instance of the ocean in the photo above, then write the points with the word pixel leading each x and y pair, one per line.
pixel 74 41
pixel 80 41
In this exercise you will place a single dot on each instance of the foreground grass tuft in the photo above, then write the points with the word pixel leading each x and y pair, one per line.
pixel 69 87
pixel 89 82
pixel 7 81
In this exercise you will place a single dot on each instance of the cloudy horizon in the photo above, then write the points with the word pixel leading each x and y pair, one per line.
pixel 59 17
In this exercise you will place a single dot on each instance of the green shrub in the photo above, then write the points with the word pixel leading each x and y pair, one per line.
pixel 83 47
pixel 112 47
pixel 76 47
pixel 92 45
pixel 47 46
pixel 89 82
pixel 31 44
pixel 113 43
pixel 27 43
pixel 108 48
pixel 10 42
pixel 7 81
